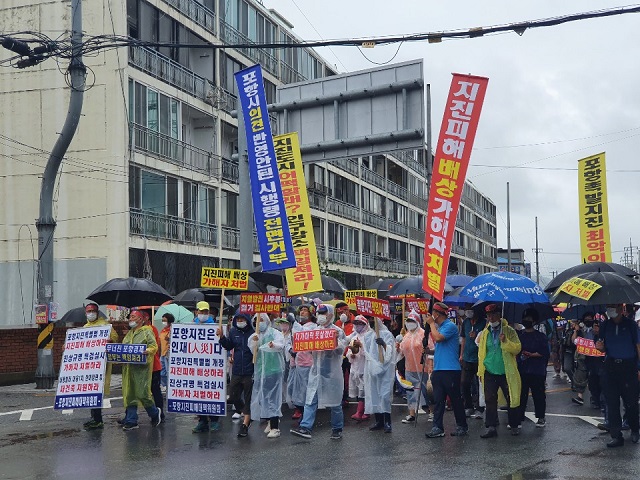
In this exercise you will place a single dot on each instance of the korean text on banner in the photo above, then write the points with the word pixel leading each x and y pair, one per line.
pixel 350 295
pixel 579 287
pixel 587 347
pixel 226 278
pixel 305 277
pixel 373 307
pixel 272 226
pixel 251 303
pixel 81 379
pixel 458 130
pixel 595 243
pixel 197 371
pixel 126 353
pixel 420 305
pixel 319 339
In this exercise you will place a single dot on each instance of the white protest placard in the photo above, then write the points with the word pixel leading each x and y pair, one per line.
pixel 81 378
pixel 197 371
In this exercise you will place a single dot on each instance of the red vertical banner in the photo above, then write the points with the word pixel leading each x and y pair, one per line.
pixel 458 130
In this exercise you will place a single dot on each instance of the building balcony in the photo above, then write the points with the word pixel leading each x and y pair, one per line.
pixel 174 229
pixel 416 269
pixel 197 13
pixel 398 266
pixel 347 165
pixel 407 158
pixel 225 100
pixel 230 35
pixel 416 234
pixel 369 260
pixel 397 190
pixel 417 201
pixel 317 200
pixel 157 65
pixel 343 257
pixel 229 170
pixel 230 238
pixel 173 150
pixel 374 220
pixel 398 228
pixel 369 176
pixel 343 209
pixel 289 74
pixel 321 254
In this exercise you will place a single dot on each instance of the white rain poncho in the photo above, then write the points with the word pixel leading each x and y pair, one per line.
pixel 326 377
pixel 379 376
pixel 266 397
pixel 357 360
pixel 299 376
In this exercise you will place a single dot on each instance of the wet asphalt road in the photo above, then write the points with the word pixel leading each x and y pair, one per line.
pixel 49 444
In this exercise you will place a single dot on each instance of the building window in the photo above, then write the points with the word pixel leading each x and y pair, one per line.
pixel 229 209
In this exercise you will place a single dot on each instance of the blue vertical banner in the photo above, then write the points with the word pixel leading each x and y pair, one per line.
pixel 272 226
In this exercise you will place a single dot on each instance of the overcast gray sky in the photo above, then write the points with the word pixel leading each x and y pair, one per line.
pixel 555 95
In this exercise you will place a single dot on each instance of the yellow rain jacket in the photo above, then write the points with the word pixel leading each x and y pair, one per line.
pixel 510 348
pixel 100 322
pixel 136 379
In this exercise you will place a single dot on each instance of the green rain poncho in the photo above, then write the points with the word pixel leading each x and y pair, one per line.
pixel 136 379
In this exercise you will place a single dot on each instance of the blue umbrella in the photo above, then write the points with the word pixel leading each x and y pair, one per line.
pixel 455 299
pixel 458 280
pixel 504 287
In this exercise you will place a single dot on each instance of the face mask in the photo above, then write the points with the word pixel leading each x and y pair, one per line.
pixel 588 323
pixel 411 326
pixel 612 312
pixel 344 318
pixel 283 327
pixel 133 324
pixel 359 328
pixel 468 313
pixel 322 319
pixel 202 317
pixel 527 324
pixel 164 324
pixel 263 327
pixel 241 324
pixel 495 324
pixel 91 317
pixel 304 319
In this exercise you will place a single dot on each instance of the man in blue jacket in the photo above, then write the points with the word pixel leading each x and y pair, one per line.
pixel 242 372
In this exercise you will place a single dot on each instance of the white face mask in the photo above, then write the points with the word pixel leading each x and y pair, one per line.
pixel 133 324
pixel 322 319
pixel 202 317
pixel 612 312
pixel 263 327
pixel 92 317
pixel 468 313
pixel 241 324
pixel 495 324
pixel 359 328
pixel 164 324
pixel 344 318
pixel 411 326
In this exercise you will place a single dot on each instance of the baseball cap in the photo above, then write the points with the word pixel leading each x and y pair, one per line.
pixel 322 309
pixel 202 305
pixel 492 307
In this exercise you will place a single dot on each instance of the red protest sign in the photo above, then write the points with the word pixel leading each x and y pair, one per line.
pixel 319 339
pixel 458 130
pixel 373 307
pixel 251 303
pixel 587 347
pixel 420 305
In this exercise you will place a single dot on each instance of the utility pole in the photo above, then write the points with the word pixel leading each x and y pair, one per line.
pixel 537 250
pixel 46 224
pixel 245 206
pixel 508 232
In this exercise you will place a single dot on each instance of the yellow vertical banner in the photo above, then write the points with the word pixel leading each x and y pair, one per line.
pixel 305 276
pixel 595 243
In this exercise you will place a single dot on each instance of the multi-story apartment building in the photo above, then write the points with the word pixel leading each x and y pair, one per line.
pixel 149 185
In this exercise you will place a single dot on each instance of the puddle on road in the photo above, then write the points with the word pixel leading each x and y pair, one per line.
pixel 19 438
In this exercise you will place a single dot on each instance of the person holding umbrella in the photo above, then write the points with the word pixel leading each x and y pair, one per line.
pixel 619 340
pixel 165 348
pixel 498 345
pixel 136 379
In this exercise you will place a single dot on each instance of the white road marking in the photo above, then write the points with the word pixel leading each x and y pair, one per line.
pixel 26 415
pixel 67 411
pixel 590 420
pixel 106 403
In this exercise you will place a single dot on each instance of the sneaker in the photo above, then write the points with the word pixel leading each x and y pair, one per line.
pixel 244 431
pixel 336 434
pixel 490 433
pixel 215 426
pixel 541 422
pixel 201 427
pixel 301 432
pixel 515 431
pixel 121 421
pixel 236 416
pixel 478 415
pixel 603 426
pixel 616 442
pixel 557 375
pixel 509 427
pixel 468 412
pixel 434 433
pixel 86 424
pixel 635 437
pixel 93 425
pixel 268 428
pixel 409 419
pixel 460 432
pixel 297 415
pixel 578 401
pixel 430 417
pixel 275 433
pixel 129 426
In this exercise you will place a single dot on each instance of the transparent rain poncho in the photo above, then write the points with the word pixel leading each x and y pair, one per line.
pixel 266 397
pixel 379 375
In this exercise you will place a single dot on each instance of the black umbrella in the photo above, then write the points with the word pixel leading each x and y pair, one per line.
pixel 333 285
pixel 129 292
pixel 562 277
pixel 383 286
pixel 273 277
pixel 412 286
pixel 77 315
pixel 615 288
